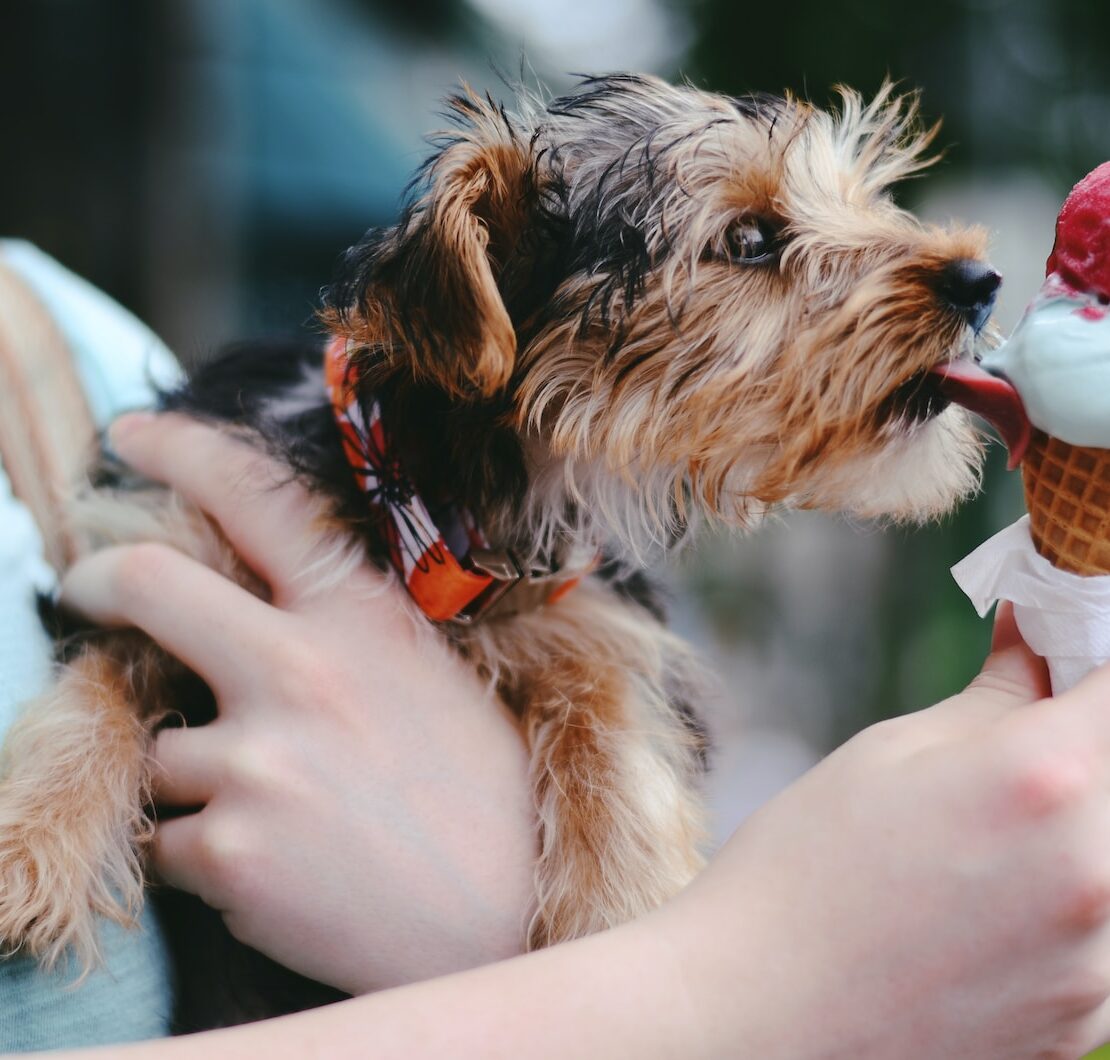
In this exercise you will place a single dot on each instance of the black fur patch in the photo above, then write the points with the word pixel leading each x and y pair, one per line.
pixel 249 385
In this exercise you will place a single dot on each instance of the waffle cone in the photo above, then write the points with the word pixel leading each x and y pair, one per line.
pixel 1067 494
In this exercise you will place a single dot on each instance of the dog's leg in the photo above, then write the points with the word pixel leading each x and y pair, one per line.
pixel 73 784
pixel 615 766
pixel 74 769
pixel 620 821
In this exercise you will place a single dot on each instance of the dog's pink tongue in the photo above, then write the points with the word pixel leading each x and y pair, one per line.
pixel 991 397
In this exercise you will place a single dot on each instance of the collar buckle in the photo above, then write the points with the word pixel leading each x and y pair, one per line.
pixel 507 574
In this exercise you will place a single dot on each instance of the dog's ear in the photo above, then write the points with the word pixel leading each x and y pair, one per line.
pixel 426 291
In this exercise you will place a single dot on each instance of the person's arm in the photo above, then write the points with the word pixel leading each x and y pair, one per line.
pixel 934 890
pixel 938 887
pixel 611 995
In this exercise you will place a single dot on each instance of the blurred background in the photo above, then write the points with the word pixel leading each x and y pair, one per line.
pixel 206 161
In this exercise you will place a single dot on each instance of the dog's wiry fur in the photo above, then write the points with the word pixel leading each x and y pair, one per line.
pixel 568 336
pixel 76 775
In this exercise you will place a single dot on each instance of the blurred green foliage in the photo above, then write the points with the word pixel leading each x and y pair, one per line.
pixel 1018 82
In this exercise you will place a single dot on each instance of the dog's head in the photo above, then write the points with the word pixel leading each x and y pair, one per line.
pixel 677 301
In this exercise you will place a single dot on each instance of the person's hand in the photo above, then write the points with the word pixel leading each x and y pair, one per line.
pixel 364 809
pixel 937 888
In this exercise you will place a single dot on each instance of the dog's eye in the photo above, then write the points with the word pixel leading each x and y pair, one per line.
pixel 750 240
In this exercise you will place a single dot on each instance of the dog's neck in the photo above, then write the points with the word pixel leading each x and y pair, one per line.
pixel 583 505
pixel 543 506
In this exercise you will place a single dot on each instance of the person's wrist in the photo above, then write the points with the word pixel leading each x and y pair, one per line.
pixel 731 956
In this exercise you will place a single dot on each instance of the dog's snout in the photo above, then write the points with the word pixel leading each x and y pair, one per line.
pixel 970 287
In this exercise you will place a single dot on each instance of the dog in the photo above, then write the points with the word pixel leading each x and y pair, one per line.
pixel 602 319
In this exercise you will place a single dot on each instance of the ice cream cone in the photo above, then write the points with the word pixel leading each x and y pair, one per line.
pixel 1067 494
pixel 1050 381
pixel 1053 374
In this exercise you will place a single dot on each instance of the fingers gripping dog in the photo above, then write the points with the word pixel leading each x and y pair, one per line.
pixel 602 319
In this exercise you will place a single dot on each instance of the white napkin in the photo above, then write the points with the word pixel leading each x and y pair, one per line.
pixel 1063 617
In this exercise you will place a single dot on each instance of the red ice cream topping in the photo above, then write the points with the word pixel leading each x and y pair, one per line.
pixel 1081 253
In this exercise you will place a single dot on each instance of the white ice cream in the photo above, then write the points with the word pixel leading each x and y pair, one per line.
pixel 1058 360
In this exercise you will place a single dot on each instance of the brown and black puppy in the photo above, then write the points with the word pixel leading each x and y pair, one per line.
pixel 602 319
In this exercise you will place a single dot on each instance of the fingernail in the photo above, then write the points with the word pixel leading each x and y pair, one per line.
pixel 126 424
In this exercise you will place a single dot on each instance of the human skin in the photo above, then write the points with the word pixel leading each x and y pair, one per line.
pixel 939 887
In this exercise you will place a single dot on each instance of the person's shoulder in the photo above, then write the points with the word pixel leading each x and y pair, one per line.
pixel 121 362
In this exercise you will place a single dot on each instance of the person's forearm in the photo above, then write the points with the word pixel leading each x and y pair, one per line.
pixel 615 994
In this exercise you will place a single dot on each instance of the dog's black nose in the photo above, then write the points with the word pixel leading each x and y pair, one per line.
pixel 970 287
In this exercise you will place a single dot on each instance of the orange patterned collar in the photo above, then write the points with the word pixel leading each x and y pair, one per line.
pixel 450 570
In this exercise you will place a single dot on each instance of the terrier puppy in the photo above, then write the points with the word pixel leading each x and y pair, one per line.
pixel 602 319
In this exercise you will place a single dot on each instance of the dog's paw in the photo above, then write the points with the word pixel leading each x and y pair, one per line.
pixel 72 828
pixel 58 878
pixel 74 779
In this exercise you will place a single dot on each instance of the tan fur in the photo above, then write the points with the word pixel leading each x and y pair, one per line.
pixel 472 212
pixel 699 387
pixel 613 767
pixel 75 768
pixel 793 361
pixel 72 823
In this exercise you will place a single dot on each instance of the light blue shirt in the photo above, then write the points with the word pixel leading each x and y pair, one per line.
pixel 120 361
